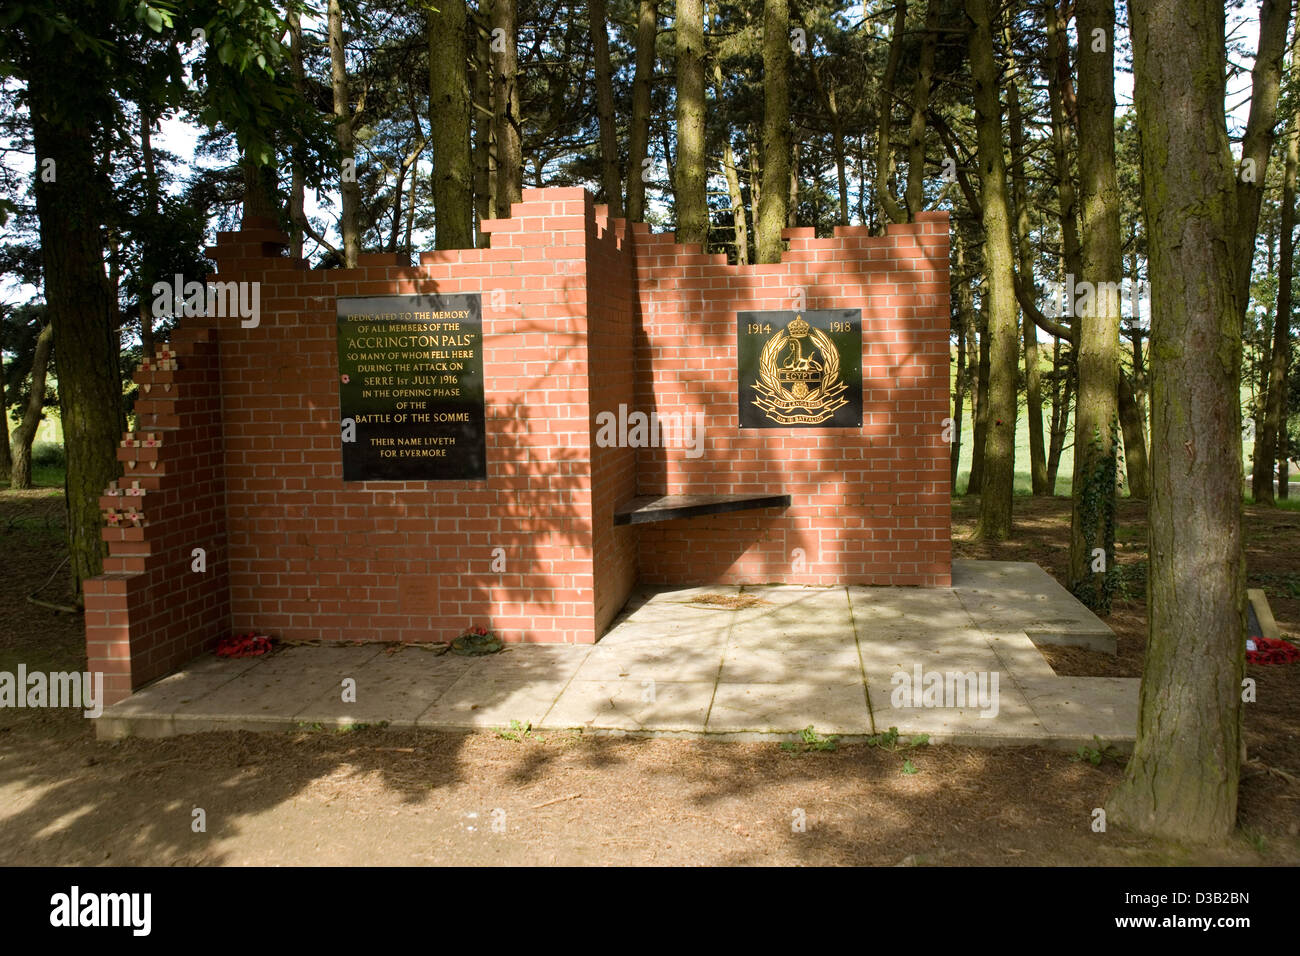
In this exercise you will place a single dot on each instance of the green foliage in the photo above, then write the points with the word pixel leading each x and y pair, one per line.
pixel 47 454
pixel 891 740
pixel 519 731
pixel 1095 755
pixel 810 742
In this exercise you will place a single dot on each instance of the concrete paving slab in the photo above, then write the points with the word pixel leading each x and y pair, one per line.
pixel 682 632
pixel 993 707
pixel 1021 596
pixel 282 684
pixel 631 705
pixel 395 688
pixel 545 661
pixel 788 708
pixel 677 662
pixel 937 610
pixel 827 608
pixel 477 700
pixel 1083 707
pixel 1019 655
pixel 746 664
pixel 197 678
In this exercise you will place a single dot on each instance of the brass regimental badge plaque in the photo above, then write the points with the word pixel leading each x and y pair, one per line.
pixel 800 369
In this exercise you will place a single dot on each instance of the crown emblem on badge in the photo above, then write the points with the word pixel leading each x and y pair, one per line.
pixel 799 328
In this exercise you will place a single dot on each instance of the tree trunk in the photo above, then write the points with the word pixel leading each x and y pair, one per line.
pixel 691 174
pixel 965 320
pixel 605 110
pixel 349 188
pixel 485 204
pixel 505 101
pixel 884 146
pixel 915 195
pixel 449 120
pixel 1257 141
pixel 774 209
pixel 1004 350
pixel 82 312
pixel 1062 390
pixel 1272 437
pixel 1059 95
pixel 20 474
pixel 298 176
pixel 1135 443
pixel 1025 257
pixel 1181 782
pixel 1096 328
pixel 647 23
pixel 6 456
pixel 792 207
pixel 980 405
pixel 147 271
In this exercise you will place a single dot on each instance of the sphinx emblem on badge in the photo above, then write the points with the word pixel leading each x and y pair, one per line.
pixel 799 376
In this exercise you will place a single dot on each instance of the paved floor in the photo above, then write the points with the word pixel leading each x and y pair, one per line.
pixel 956 663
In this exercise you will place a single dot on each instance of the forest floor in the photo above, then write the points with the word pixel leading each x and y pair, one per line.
pixel 376 796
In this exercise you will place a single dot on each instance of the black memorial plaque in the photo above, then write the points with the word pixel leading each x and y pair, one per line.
pixel 411 383
pixel 800 369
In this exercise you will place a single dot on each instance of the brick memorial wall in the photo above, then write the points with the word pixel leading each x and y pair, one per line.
pixel 585 323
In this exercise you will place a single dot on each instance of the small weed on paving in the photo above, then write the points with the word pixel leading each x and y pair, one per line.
pixel 809 742
pixel 891 741
pixel 518 731
pixel 1095 755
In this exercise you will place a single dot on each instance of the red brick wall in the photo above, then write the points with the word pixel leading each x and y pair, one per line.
pixel 612 335
pixel 581 314
pixel 150 611
pixel 869 505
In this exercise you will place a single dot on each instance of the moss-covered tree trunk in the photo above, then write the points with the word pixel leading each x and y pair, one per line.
pixel 1259 136
pixel 484 115
pixel 1096 326
pixel 297 174
pixel 610 177
pixel 921 87
pixel 965 321
pixel 979 401
pixel 345 135
pixel 1274 425
pixel 885 116
pixel 1025 262
pixel 774 207
pixel 1181 782
pixel 1004 345
pixel 1062 394
pixel 647 23
pixel 72 209
pixel 690 174
pixel 1061 99
pixel 1135 443
pixel 505 103
pixel 449 120
pixel 20 470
